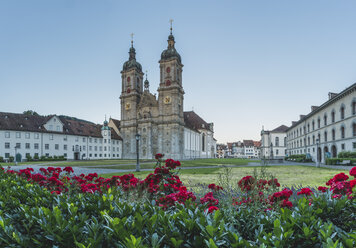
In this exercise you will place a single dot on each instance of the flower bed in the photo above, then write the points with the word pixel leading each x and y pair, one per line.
pixel 56 208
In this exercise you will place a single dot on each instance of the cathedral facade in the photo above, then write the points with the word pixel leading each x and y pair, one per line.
pixel 162 124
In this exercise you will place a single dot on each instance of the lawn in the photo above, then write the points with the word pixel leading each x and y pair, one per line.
pixel 287 175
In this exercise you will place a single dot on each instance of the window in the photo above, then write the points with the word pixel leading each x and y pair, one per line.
pixel 313 125
pixel 105 148
pixel 325 120
pixel 333 117
pixel 304 130
pixel 65 138
pixel 37 136
pixel 90 139
pixel 47 146
pixel 51 136
pixel 84 147
pixel 7 155
pixel 342 146
pixel 100 155
pixel 7 145
pixel 76 139
pixel 36 146
pixel 105 155
pixel 100 148
pixel 18 135
pixel 308 141
pixel 104 140
pixel 65 147
pixel 90 155
pixel 325 136
pixel 342 112
pixel 313 140
pixel 203 142
pixel 27 145
pixel 89 148
pixel 83 139
pixel 36 155
pixel 333 134
pixel 319 137
pixel 56 146
pixel 27 135
pixel 354 145
pixel 58 129
pixel 354 129
pixel 95 148
pixel 65 155
pixel 277 152
pixel 7 134
pixel 342 132
pixel 95 140
pixel 308 128
pixel 47 154
pixel 27 155
pixel 319 123
pixel 95 155
pixel 354 107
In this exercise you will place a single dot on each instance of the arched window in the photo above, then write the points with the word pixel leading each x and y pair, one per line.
pixel 325 136
pixel 318 122
pixel 308 128
pixel 342 112
pixel 313 125
pixel 342 132
pixel 308 141
pixel 333 116
pixel 333 134
pixel 354 107
pixel 319 138
pixel 354 129
pixel 203 142
pixel 285 141
pixel 276 141
pixel 325 120
pixel 313 140
pixel 297 132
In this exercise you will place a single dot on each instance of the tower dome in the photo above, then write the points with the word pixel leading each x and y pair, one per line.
pixel 171 51
pixel 132 63
pixel 105 125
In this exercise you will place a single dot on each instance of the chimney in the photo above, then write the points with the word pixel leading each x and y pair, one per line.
pixel 332 95
pixel 313 108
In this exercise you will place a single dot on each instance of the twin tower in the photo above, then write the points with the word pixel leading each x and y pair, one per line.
pixel 160 122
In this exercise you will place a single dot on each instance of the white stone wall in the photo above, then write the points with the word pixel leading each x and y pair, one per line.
pixel 269 143
pixel 54 144
pixel 302 140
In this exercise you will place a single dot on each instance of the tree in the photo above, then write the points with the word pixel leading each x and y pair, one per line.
pixel 30 112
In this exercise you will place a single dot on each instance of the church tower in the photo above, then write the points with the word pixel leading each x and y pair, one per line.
pixel 132 88
pixel 170 100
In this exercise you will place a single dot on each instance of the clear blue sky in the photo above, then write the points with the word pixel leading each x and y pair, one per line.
pixel 246 63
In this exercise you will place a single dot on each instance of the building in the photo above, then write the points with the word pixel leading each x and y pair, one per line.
pixel 257 149
pixel 244 149
pixel 162 124
pixel 273 143
pixel 328 129
pixel 53 135
pixel 221 150
pixel 249 150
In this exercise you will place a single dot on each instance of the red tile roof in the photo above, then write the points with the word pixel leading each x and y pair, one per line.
pixel 194 121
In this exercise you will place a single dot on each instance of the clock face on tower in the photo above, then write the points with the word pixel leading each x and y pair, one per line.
pixel 127 106
pixel 167 100
pixel 168 70
pixel 168 83
pixel 128 79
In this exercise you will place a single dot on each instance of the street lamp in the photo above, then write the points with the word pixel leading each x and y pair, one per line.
pixel 318 155
pixel 137 136
pixel 15 154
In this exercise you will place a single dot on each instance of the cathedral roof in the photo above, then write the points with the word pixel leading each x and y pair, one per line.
pixel 194 121
pixel 148 100
pixel 280 129
pixel 35 123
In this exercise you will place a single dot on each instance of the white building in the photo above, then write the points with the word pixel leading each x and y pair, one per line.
pixel 273 143
pixel 53 135
pixel 328 129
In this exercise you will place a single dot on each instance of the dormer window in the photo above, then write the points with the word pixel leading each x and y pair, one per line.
pixel 6 116
pixel 21 125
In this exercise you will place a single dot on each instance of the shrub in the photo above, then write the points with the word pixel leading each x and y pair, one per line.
pixel 347 155
pixel 28 157
pixel 338 161
pixel 301 158
pixel 35 157
pixel 1 159
pixel 11 159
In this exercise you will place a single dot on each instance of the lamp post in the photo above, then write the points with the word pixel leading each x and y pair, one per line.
pixel 15 155
pixel 318 155
pixel 137 136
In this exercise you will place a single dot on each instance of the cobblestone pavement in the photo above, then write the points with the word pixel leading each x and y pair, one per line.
pixel 97 169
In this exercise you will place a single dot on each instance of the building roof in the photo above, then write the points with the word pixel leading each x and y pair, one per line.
pixel 34 123
pixel 248 142
pixel 257 143
pixel 280 129
pixel 333 97
pixel 116 122
pixel 194 121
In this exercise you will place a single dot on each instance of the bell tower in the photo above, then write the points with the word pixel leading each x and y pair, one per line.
pixel 132 88
pixel 170 100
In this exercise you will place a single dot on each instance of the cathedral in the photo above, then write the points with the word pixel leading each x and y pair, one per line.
pixel 162 124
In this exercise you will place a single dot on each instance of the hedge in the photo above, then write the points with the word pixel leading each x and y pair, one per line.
pixel 346 155
pixel 338 161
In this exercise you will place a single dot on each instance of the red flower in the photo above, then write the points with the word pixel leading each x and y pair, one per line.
pixel 305 191
pixel 68 170
pixel 322 189
pixel 353 172
pixel 352 182
pixel 212 209
pixel 286 203
pixel 215 187
pixel 159 155
pixel 246 183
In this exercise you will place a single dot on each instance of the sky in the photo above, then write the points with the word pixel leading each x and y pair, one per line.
pixel 247 64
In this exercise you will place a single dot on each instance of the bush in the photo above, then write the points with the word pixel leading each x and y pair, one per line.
pixel 347 155
pixel 35 157
pixel 300 158
pixel 28 157
pixel 11 159
pixel 338 161
pixel 126 215
pixel 1 159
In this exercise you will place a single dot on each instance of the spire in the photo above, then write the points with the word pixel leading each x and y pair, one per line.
pixel 132 51
pixel 171 21
pixel 147 84
pixel 171 37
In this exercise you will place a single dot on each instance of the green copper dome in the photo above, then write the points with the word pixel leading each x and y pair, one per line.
pixel 132 63
pixel 105 126
pixel 170 52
